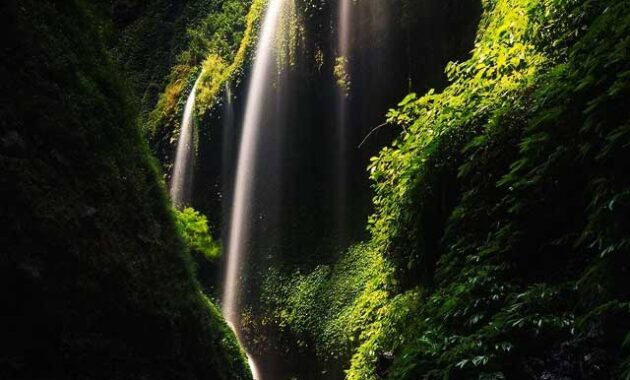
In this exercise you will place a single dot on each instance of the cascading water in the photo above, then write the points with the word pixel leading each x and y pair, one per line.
pixel 182 176
pixel 227 149
pixel 343 92
pixel 345 8
pixel 246 167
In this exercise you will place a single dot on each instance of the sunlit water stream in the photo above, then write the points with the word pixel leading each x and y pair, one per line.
pixel 182 176
pixel 246 168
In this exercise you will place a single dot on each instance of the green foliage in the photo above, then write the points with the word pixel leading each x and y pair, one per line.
pixel 216 51
pixel 342 76
pixel 227 64
pixel 193 227
pixel 499 239
pixel 217 47
pixel 503 137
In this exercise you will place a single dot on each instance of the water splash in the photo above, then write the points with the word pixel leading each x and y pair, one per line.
pixel 182 176
pixel 246 167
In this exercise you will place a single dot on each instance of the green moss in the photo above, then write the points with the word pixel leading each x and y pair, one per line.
pixel 96 280
pixel 216 69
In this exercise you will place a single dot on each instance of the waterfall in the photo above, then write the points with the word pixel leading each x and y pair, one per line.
pixel 182 176
pixel 344 82
pixel 345 8
pixel 227 156
pixel 246 166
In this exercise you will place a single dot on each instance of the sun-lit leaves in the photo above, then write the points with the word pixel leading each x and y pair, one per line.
pixel 499 211
pixel 193 227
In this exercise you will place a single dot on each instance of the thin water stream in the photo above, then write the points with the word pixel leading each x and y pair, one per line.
pixel 239 234
pixel 182 176
pixel 344 88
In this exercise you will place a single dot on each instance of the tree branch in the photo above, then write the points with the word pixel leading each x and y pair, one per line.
pixel 371 133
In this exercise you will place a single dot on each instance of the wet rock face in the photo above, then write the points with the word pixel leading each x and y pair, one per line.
pixel 395 47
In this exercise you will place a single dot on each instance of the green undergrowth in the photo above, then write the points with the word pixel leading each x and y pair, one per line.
pixel 96 282
pixel 193 227
pixel 499 242
pixel 311 304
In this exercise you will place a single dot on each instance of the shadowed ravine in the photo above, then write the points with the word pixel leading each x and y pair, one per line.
pixel 315 190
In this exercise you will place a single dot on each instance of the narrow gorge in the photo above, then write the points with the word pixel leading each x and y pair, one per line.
pixel 315 189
